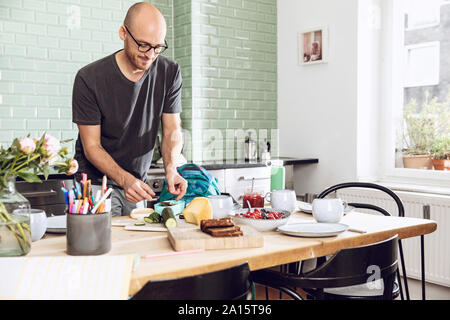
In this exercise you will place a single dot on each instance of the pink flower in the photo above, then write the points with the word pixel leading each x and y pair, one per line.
pixel 27 145
pixel 72 166
pixel 51 146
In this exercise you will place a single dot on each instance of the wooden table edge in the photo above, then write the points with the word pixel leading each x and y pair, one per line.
pixel 290 255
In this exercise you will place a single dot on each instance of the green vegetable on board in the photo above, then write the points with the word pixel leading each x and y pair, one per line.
pixel 153 218
pixel 168 218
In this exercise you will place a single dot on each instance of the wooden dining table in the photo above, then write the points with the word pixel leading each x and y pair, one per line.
pixel 278 248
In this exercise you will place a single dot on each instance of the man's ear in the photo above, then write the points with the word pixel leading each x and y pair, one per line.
pixel 122 32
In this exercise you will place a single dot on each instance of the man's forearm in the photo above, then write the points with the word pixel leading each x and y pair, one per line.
pixel 171 146
pixel 106 164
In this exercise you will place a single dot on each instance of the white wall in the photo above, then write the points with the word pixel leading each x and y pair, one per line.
pixel 317 104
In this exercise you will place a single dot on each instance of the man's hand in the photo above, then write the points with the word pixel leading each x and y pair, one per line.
pixel 176 184
pixel 171 145
pixel 137 190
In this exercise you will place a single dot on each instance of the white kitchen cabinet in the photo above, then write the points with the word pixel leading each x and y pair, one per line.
pixel 220 176
pixel 235 181
pixel 239 181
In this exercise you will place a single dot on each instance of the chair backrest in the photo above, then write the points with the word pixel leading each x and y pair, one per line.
pixel 400 207
pixel 228 284
pixel 347 267
pixel 353 266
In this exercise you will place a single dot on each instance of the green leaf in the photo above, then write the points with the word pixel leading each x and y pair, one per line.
pixel 28 177
pixel 46 170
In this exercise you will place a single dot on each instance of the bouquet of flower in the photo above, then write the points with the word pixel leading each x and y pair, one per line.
pixel 28 157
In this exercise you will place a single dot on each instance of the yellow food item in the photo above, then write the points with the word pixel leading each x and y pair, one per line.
pixel 197 210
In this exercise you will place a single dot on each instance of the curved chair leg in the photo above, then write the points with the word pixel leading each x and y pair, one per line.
pixel 405 278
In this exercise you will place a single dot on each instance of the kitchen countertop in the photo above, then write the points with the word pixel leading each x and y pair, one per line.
pixel 218 165
pixel 241 163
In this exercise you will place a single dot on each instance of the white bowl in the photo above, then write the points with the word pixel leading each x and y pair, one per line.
pixel 262 224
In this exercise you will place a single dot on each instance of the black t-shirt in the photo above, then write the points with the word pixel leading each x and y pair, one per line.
pixel 129 112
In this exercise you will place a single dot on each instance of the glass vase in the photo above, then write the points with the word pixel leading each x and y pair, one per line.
pixel 15 210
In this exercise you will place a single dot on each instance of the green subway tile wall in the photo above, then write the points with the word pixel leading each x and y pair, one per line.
pixel 227 50
pixel 234 74
pixel 43 44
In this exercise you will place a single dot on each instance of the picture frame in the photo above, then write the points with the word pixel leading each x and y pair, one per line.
pixel 313 46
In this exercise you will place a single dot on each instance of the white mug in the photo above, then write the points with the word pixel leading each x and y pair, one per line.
pixel 38 222
pixel 328 210
pixel 282 199
pixel 222 206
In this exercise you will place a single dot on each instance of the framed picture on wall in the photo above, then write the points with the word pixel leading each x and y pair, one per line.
pixel 313 46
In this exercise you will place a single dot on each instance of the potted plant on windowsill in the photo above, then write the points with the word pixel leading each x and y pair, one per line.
pixel 422 127
pixel 417 138
pixel 441 153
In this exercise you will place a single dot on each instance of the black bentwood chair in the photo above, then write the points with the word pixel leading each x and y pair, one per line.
pixel 401 213
pixel 228 284
pixel 372 266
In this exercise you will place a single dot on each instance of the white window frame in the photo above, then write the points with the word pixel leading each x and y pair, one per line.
pixel 431 24
pixel 391 96
pixel 435 81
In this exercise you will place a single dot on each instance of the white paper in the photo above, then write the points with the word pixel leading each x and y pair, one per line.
pixel 68 277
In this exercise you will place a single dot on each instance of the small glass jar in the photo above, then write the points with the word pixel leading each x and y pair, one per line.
pixel 255 199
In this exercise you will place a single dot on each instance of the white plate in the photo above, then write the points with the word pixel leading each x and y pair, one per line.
pixel 307 208
pixel 56 224
pixel 313 229
pixel 122 222
pixel 157 227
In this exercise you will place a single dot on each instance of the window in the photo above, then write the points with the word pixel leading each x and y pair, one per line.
pixel 422 64
pixel 416 89
pixel 422 14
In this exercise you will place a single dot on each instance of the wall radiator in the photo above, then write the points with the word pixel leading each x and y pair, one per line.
pixel 437 244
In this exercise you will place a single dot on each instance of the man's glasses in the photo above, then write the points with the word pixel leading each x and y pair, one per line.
pixel 145 47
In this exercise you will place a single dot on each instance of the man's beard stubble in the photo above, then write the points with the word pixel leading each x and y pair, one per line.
pixel 135 61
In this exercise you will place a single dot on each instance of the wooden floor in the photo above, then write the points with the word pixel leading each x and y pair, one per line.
pixel 432 291
pixel 260 294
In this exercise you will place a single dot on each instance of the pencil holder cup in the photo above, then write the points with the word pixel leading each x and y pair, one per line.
pixel 88 234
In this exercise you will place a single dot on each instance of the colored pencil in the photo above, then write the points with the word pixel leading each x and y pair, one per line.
pixel 71 195
pixel 106 195
pixel 78 206
pixel 85 205
pixel 166 254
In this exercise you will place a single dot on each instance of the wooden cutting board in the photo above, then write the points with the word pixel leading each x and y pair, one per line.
pixel 182 238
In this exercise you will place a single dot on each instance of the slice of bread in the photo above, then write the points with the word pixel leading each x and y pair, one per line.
pixel 233 231
pixel 216 223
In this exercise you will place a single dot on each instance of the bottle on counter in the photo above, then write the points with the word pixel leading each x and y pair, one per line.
pixel 250 148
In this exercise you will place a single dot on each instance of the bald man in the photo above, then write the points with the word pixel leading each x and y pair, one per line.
pixel 118 104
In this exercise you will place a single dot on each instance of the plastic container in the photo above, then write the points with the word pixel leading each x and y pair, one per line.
pixel 177 207
pixel 277 178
